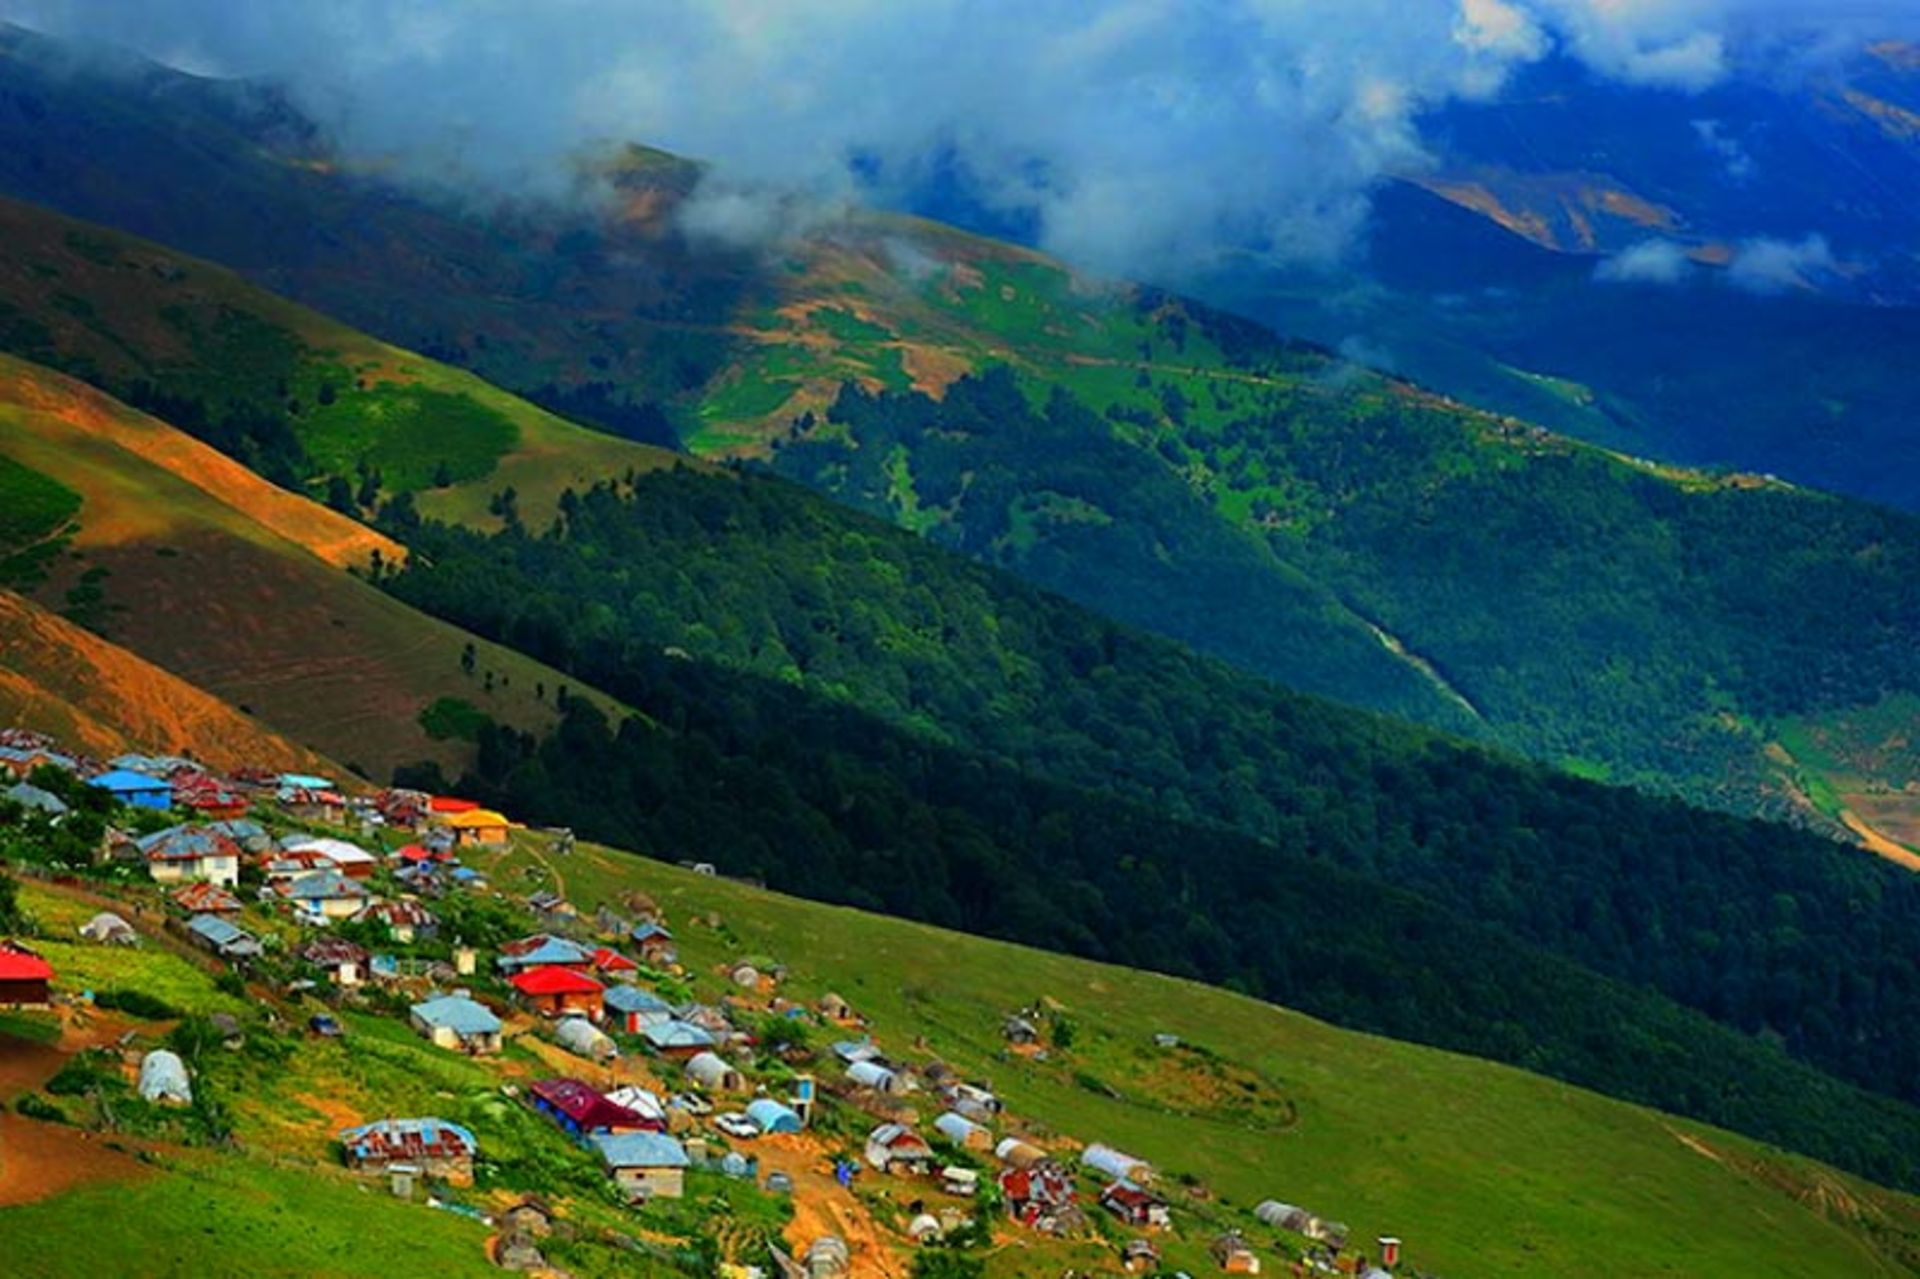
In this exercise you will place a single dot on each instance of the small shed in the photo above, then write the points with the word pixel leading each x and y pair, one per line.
pixel 1116 1164
pixel 769 1116
pixel 677 1040
pixel 963 1132
pixel 109 929
pixel 581 1037
pixel 871 1074
pixel 1020 1032
pixel 455 1021
pixel 25 978
pixel 1233 1255
pixel 711 1071
pixel 898 1149
pixel 163 1079
pixel 1019 1154
pixel 827 1258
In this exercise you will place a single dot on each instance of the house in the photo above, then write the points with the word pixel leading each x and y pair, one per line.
pixel 710 1071
pixel 963 1132
pixel 109 929
pixel 710 1019
pixel 770 1116
pixel 1041 1197
pixel 36 800
pixel 350 860
pixel 554 910
pixel 1231 1253
pixel 553 991
pixel 1116 1165
pixel 632 1009
pixel 1139 1257
pixel 202 898
pixel 1020 1032
pixel 22 760
pixel 405 921
pixel 325 895
pixel 344 963
pixel 858 1050
pixel 584 1039
pixel 222 937
pixel 457 1022
pixel 898 1149
pixel 963 1182
pixel 531 1216
pixel 543 950
pixel 207 798
pixel 676 1040
pixel 581 1111
pixel 653 942
pixel 25 978
pixel 312 804
pixel 479 827
pixel 645 1104
pixel 1135 1206
pixel 608 963
pixel 645 1165
pixel 973 1101
pixel 182 853
pixel 433 1146
pixel 250 835
pixel 136 790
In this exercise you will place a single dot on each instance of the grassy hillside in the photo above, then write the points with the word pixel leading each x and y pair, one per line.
pixel 235 587
pixel 1484 1169
pixel 100 698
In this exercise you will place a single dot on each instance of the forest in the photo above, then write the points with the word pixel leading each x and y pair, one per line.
pixel 811 647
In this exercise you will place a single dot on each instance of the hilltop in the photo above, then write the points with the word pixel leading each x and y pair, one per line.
pixel 1240 1103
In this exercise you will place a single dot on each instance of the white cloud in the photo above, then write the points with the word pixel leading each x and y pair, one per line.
pixel 1648 262
pixel 1735 162
pixel 1769 265
pixel 1137 136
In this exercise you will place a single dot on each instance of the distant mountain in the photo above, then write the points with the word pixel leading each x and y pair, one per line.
pixel 1268 502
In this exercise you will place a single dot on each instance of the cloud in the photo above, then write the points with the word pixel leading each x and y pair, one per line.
pixel 1735 162
pixel 1648 262
pixel 1768 265
pixel 1138 137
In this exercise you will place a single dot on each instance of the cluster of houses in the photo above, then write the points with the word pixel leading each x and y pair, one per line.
pixel 589 994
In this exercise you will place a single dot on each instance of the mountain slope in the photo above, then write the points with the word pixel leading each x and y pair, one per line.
pixel 236 587
pixel 97 697
pixel 1263 501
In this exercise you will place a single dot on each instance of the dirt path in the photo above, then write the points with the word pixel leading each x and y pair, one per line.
pixel 1878 843
pixel 39 1160
pixel 821 1206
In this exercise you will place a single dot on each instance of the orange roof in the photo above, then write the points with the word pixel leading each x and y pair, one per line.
pixel 555 981
pixel 478 818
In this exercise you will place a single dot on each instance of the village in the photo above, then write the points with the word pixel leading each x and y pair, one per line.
pixel 321 902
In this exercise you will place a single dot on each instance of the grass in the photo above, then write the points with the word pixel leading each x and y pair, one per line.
pixel 409 434
pixel 215 1216
pixel 1483 1169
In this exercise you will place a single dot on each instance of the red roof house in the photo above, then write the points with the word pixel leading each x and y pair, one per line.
pixel 553 991
pixel 611 963
pixel 24 976
pixel 583 1111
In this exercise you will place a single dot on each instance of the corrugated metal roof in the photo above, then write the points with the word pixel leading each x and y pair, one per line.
pixel 641 1150
pixel 460 1015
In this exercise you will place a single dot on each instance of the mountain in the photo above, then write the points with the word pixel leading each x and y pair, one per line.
pixel 1268 502
pixel 238 589
pixel 819 693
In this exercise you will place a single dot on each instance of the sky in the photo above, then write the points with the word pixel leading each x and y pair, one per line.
pixel 1141 137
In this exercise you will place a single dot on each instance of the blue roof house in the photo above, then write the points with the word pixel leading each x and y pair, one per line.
pixel 633 1009
pixel 136 789
pixel 645 1165
pixel 459 1023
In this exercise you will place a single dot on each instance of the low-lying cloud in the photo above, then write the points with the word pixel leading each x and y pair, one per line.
pixel 1143 137
pixel 1649 262
pixel 1768 265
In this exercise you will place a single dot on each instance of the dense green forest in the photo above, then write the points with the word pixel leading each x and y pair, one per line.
pixel 1769 930
pixel 1638 624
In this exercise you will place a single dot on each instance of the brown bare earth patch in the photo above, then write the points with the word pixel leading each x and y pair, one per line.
pixel 41 1160
pixel 102 699
pixel 1873 836
pixel 821 1206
